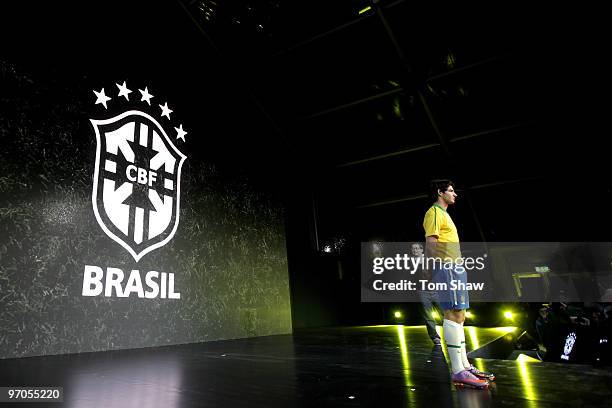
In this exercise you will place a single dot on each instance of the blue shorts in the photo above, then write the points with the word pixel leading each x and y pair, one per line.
pixel 451 298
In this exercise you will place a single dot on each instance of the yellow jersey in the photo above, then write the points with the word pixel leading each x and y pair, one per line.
pixel 438 222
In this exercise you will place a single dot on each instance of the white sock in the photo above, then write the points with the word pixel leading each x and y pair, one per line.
pixel 452 337
pixel 464 359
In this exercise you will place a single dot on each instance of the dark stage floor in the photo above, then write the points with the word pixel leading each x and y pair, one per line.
pixel 379 366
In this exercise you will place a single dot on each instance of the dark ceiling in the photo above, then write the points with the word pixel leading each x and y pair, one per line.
pixel 362 103
pixel 378 97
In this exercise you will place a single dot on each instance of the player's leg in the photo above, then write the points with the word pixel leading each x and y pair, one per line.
pixel 453 331
pixel 466 363
pixel 452 336
pixel 462 302
pixel 452 318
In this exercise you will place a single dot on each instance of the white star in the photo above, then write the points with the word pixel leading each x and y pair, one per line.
pixel 165 110
pixel 123 91
pixel 180 133
pixel 101 98
pixel 146 96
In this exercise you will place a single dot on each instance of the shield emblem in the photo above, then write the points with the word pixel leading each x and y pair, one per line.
pixel 136 191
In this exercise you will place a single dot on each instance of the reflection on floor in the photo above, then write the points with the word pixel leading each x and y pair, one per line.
pixel 374 366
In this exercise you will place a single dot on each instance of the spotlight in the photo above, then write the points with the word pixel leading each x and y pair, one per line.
pixel 364 10
pixel 397 314
pixel 469 315
pixel 334 245
pixel 509 315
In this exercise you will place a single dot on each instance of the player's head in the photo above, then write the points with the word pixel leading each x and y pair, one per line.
pixel 444 190
pixel 416 249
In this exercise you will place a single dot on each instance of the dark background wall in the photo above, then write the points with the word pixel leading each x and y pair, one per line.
pixel 229 252
pixel 379 97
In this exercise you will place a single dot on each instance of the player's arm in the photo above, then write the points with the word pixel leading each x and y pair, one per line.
pixel 430 245
pixel 431 225
pixel 430 250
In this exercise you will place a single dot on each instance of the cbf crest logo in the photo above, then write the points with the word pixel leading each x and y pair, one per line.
pixel 570 340
pixel 136 192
